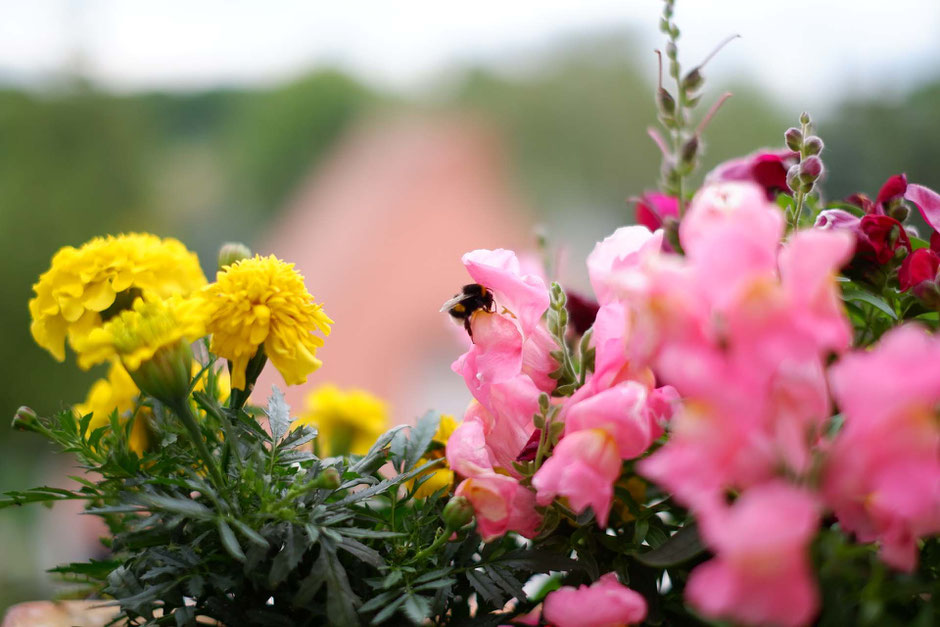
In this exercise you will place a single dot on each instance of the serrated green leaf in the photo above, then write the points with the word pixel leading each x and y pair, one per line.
pixel 417 608
pixel 388 611
pixel 278 412
pixel 420 437
pixel 230 542
pixel 186 507
pixel 362 552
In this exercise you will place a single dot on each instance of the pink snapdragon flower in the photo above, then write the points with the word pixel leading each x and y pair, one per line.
pixel 620 411
pixel 741 327
pixel 525 295
pixel 623 249
pixel 605 603
pixel 761 573
pixel 500 505
pixel 583 469
pixel 882 477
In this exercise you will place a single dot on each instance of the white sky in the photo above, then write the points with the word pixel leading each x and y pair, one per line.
pixel 802 49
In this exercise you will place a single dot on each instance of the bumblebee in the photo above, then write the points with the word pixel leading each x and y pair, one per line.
pixel 472 297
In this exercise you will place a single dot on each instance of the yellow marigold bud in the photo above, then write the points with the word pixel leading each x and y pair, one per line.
pixel 348 421
pixel 262 301
pixel 117 392
pixel 152 341
pixel 86 286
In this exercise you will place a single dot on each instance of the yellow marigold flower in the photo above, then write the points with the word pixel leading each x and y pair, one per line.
pixel 348 421
pixel 441 476
pixel 263 301
pixel 152 341
pixel 85 286
pixel 116 392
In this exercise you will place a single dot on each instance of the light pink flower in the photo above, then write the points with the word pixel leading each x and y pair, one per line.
pixel 582 468
pixel 882 477
pixel 623 249
pixel 620 411
pixel 500 505
pixel 525 295
pixel 466 450
pixel 605 603
pixel 761 574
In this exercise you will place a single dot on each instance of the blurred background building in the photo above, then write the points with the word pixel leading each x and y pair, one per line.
pixel 373 143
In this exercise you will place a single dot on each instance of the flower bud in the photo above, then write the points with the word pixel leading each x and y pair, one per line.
pixel 667 104
pixel 671 231
pixel 811 169
pixel 804 118
pixel 166 376
pixel 793 178
pixel 690 150
pixel 232 252
pixel 794 139
pixel 693 80
pixel 25 419
pixel 898 209
pixel 671 50
pixel 812 146
pixel 329 479
pixel 457 513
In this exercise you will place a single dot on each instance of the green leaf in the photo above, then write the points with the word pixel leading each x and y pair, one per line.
pixel 389 610
pixel 186 507
pixel 850 293
pixel 417 608
pixel 420 437
pixel 38 495
pixel 485 587
pixel 278 412
pixel 361 551
pixel 340 599
pixel 377 452
pixel 230 542
pixel 683 545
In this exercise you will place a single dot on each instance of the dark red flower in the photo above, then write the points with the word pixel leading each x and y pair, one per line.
pixel 581 312
pixel 918 267
pixel 893 188
pixel 879 238
pixel 531 448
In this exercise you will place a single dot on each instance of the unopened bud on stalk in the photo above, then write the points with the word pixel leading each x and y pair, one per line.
pixel 671 231
pixel 457 513
pixel 25 419
pixel 898 210
pixel 812 146
pixel 690 150
pixel 794 139
pixel 804 118
pixel 671 50
pixel 232 252
pixel 693 80
pixel 329 479
pixel 811 169
pixel 793 178
pixel 667 104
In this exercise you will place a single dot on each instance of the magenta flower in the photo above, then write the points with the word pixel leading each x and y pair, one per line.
pixel 918 268
pixel 500 505
pixel 605 603
pixel 761 574
pixel 583 469
pixel 882 477
pixel 766 168
pixel 652 209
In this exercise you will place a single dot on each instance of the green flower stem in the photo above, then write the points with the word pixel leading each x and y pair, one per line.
pixel 439 541
pixel 800 195
pixel 185 414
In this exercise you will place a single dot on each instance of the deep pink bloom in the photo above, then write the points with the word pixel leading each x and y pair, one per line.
pixel 879 238
pixel 605 603
pixel 652 209
pixel 761 574
pixel 767 168
pixel 582 468
pixel 927 202
pixel 918 267
pixel 500 505
pixel 882 478
pixel 894 187
pixel 620 411
pixel 525 295
pixel 625 248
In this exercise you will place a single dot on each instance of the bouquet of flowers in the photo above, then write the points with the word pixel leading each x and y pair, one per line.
pixel 741 425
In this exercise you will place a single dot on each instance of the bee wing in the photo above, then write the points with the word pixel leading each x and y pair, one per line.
pixel 450 303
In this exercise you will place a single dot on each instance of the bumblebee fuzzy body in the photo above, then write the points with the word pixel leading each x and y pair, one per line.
pixel 472 297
